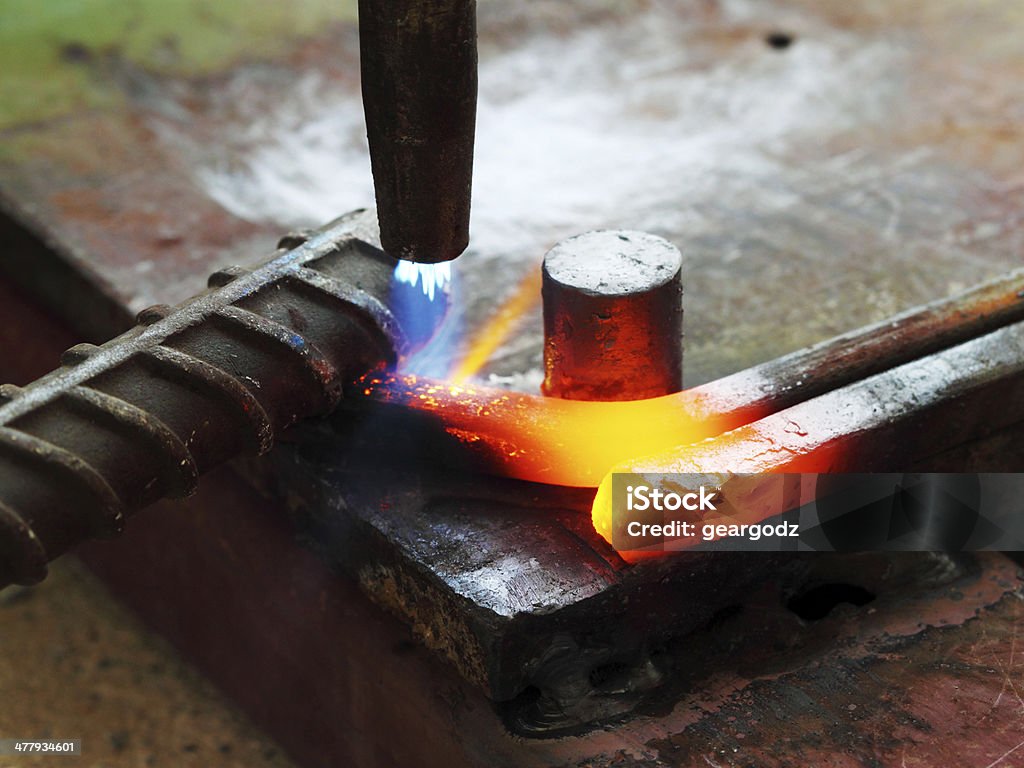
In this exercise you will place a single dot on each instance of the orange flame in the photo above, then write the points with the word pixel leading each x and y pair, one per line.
pixel 550 440
pixel 504 321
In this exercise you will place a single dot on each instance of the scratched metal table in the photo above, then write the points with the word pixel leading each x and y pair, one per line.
pixel 821 166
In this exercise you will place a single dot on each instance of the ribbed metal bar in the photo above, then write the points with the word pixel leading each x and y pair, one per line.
pixel 220 386
pixel 313 361
pixel 65 467
pixel 22 555
pixel 181 476
pixel 375 314
pixel 140 417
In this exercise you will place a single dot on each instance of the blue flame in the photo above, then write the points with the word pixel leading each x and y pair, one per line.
pixel 433 278
pixel 422 299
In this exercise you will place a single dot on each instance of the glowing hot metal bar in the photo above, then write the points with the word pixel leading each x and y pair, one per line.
pixel 575 443
pixel 931 414
pixel 550 440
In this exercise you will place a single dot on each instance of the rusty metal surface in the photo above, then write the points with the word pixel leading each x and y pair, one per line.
pixel 418 70
pixel 868 167
pixel 140 418
pixel 909 678
pixel 929 665
pixel 507 580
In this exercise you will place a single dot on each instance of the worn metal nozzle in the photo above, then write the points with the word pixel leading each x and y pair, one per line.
pixel 418 65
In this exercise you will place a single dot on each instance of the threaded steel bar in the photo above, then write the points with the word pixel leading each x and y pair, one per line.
pixel 139 418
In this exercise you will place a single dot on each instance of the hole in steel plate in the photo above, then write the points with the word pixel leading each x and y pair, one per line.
pixel 780 41
pixel 818 602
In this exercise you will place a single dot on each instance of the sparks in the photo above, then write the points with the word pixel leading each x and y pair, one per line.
pixel 431 277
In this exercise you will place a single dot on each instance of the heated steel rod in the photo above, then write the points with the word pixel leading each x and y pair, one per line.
pixel 574 443
pixel 142 416
pixel 928 415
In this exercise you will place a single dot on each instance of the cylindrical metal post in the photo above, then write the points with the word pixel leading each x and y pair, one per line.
pixel 613 317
